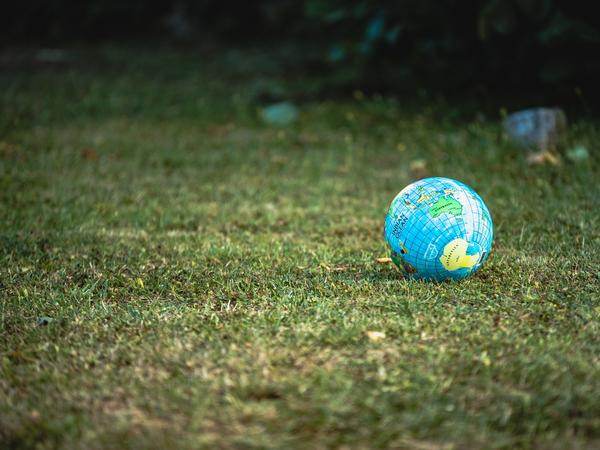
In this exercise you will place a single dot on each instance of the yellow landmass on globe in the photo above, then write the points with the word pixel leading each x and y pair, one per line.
pixel 423 198
pixel 455 255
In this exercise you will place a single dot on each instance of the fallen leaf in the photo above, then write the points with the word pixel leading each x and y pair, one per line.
pixel 334 269
pixel 543 157
pixel 384 260
pixel 376 336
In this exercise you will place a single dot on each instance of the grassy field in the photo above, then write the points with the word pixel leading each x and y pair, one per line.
pixel 176 274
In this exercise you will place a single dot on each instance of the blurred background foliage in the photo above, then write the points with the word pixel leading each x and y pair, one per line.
pixel 387 44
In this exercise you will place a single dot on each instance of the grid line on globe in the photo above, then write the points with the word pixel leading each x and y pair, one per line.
pixel 438 228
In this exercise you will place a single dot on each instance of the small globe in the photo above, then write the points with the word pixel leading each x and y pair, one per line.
pixel 438 229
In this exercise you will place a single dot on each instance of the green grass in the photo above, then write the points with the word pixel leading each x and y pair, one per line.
pixel 208 281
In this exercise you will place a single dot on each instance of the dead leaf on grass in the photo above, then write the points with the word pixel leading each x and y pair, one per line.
pixel 541 158
pixel 384 260
pixel 334 268
pixel 376 336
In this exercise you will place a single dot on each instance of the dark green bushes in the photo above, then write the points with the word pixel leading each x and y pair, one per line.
pixel 439 43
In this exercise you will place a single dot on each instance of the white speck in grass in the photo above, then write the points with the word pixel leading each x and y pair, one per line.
pixel 376 336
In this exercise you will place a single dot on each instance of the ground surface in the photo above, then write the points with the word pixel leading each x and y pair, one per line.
pixel 174 273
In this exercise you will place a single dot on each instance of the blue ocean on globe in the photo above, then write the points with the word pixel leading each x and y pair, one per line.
pixel 437 229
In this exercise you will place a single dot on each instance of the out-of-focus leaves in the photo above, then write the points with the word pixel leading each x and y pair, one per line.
pixel 336 54
pixel 536 9
pixel 443 43
pixel 375 28
pixel 562 29
pixel 363 8
pixel 391 36
pixel 514 41
pixel 555 70
pixel 555 30
pixel 326 11
pixel 498 15
pixel 52 55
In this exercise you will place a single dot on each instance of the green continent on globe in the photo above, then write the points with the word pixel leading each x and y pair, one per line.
pixel 446 204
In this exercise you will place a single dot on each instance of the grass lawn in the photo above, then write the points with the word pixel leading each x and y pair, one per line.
pixel 175 273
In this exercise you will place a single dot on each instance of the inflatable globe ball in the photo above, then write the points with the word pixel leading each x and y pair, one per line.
pixel 438 229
